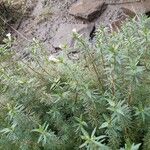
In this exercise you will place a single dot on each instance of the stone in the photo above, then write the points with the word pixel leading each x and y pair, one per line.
pixel 122 15
pixel 64 35
pixel 121 1
pixel 87 9
pixel 116 25
pixel 139 7
pixel 126 12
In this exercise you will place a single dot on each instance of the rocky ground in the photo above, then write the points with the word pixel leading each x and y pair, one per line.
pixel 52 21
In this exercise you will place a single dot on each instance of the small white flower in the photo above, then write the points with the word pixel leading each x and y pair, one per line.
pixel 64 46
pixel 9 36
pixel 52 58
pixel 74 30
pixel 34 39
pixel 60 46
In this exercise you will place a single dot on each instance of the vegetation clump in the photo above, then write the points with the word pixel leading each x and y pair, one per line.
pixel 101 102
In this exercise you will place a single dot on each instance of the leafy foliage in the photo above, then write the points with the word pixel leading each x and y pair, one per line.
pixel 100 102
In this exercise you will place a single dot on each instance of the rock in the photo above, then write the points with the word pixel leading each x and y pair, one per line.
pixel 122 15
pixel 125 12
pixel 116 25
pixel 139 7
pixel 87 9
pixel 146 6
pixel 64 35
pixel 120 1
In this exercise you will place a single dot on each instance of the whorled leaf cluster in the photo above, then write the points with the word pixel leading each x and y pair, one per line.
pixel 101 102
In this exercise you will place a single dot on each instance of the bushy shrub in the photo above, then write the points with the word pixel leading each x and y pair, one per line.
pixel 100 102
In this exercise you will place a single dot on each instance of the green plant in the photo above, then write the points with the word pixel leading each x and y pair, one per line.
pixel 92 142
pixel 98 102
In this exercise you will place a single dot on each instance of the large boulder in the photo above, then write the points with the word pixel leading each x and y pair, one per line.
pixel 87 9
pixel 64 35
